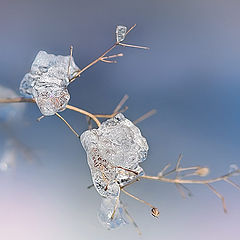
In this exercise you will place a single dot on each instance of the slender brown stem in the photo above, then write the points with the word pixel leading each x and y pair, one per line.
pixel 232 183
pixel 136 198
pixel 70 127
pixel 123 100
pixel 130 29
pixel 145 116
pixel 133 46
pixel 186 181
pixel 129 170
pixel 130 218
pixel 92 116
pixel 116 205
pixel 31 100
pixel 16 100
pixel 219 196
pixel 113 56
pixel 93 62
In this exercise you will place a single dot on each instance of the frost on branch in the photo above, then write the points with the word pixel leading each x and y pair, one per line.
pixel 105 214
pixel 47 82
pixel 114 152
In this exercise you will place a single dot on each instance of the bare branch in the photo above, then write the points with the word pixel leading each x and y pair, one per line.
pixel 219 196
pixel 130 218
pixel 70 127
pixel 145 116
pixel 92 116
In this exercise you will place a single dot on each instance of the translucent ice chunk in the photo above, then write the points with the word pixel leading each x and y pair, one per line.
pixel 121 33
pixel 9 112
pixel 114 152
pixel 51 99
pixel 106 211
pixel 48 80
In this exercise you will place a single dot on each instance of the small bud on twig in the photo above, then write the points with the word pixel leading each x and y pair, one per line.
pixel 155 212
pixel 202 171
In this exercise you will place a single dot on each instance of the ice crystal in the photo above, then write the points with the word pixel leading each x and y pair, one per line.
pixel 48 80
pixel 106 216
pixel 121 33
pixel 9 112
pixel 114 152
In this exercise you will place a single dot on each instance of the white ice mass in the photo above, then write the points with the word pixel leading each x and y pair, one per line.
pixel 114 152
pixel 47 82
pixel 105 214
pixel 121 32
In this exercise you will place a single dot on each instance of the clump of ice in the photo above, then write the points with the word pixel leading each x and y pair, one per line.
pixel 106 212
pixel 114 152
pixel 10 111
pixel 121 32
pixel 47 82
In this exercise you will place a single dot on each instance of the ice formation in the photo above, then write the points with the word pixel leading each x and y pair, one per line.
pixel 114 152
pixel 9 112
pixel 121 33
pixel 47 82
pixel 106 212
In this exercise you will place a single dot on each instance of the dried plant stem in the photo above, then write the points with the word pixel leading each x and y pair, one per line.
pixel 145 116
pixel 31 100
pixel 136 198
pixel 232 183
pixel 93 62
pixel 102 57
pixel 116 110
pixel 218 195
pixel 131 218
pixel 121 103
pixel 133 46
pixel 92 116
pixel 116 205
pixel 16 100
pixel 188 181
pixel 130 29
pixel 58 115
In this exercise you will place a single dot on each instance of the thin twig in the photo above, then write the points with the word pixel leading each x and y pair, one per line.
pixel 133 46
pixel 232 183
pixel 145 116
pixel 89 122
pixel 121 103
pixel 92 116
pixel 136 198
pixel 16 100
pixel 116 205
pixel 58 115
pixel 188 181
pixel 93 62
pixel 131 219
pixel 219 196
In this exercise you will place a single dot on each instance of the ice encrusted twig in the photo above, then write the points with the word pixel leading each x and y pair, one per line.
pixel 47 82
pixel 121 33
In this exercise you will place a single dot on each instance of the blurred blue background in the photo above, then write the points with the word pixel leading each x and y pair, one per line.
pixel 191 75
